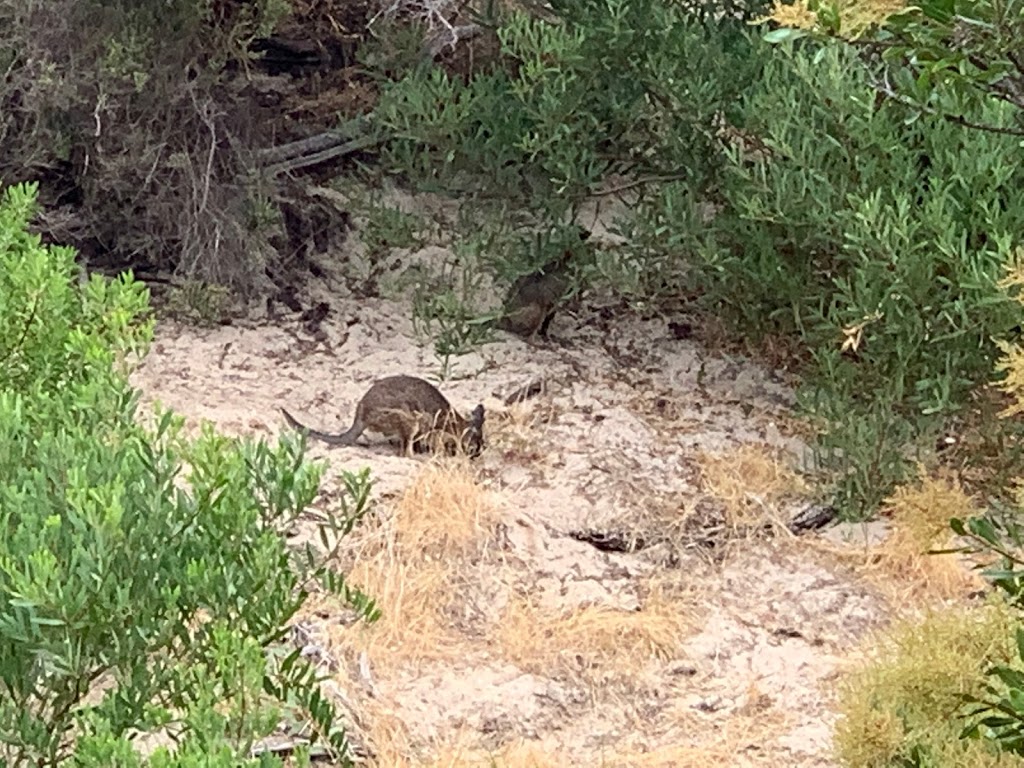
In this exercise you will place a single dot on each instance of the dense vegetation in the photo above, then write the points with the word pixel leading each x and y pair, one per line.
pixel 146 585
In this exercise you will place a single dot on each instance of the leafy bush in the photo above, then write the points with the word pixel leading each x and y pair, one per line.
pixel 944 58
pixel 145 584
pixel 948 689
pixel 624 87
pixel 870 233
pixel 958 63
pixel 601 89
pixel 877 242
pixel 997 711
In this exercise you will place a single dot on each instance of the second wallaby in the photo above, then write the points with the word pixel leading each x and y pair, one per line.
pixel 533 299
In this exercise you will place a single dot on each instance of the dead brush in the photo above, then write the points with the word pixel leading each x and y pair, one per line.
pixel 428 566
pixel 920 513
pixel 750 483
pixel 116 111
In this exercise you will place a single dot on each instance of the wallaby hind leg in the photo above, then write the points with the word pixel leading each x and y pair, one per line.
pixel 546 324
pixel 407 442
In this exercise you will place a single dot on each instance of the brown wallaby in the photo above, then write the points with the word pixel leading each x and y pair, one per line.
pixel 533 299
pixel 415 411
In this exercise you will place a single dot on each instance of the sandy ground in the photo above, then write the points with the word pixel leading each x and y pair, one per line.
pixel 712 644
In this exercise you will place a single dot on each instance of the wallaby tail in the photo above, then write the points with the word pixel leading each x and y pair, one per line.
pixel 342 439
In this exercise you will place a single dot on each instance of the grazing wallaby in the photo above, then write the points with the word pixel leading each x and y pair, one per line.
pixel 413 410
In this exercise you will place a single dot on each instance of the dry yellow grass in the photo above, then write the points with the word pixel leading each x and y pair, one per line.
pixel 744 739
pixel 920 514
pixel 749 482
pixel 420 563
pixel 857 15
pixel 426 559
pixel 540 640
pixel 460 749
pixel 696 746
pixel 907 691
pixel 518 753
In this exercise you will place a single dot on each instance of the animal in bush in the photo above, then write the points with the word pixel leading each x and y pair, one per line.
pixel 533 299
pixel 415 411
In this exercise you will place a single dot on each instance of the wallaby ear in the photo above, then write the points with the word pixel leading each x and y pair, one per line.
pixel 477 417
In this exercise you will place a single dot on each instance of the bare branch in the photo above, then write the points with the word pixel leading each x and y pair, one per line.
pixel 888 92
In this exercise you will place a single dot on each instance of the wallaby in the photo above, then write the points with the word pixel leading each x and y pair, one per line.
pixel 533 299
pixel 415 411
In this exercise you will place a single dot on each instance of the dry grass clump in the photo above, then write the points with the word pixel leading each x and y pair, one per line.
pixel 906 696
pixel 598 638
pixel 428 558
pixel 686 737
pixel 920 514
pixel 739 741
pixel 517 430
pixel 520 753
pixel 750 482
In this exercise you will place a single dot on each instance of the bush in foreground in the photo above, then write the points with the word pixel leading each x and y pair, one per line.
pixel 897 710
pixel 144 580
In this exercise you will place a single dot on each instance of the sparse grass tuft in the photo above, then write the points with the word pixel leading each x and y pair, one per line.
pixel 520 753
pixel 749 482
pixel 429 564
pixel 591 637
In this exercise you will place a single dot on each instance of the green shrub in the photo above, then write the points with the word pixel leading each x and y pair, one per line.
pixel 603 88
pixel 949 690
pixel 876 241
pixel 145 584
pixel 945 59
pixel 624 87
pixel 996 713
pixel 871 233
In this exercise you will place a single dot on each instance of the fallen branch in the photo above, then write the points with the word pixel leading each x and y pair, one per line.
pixel 339 150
